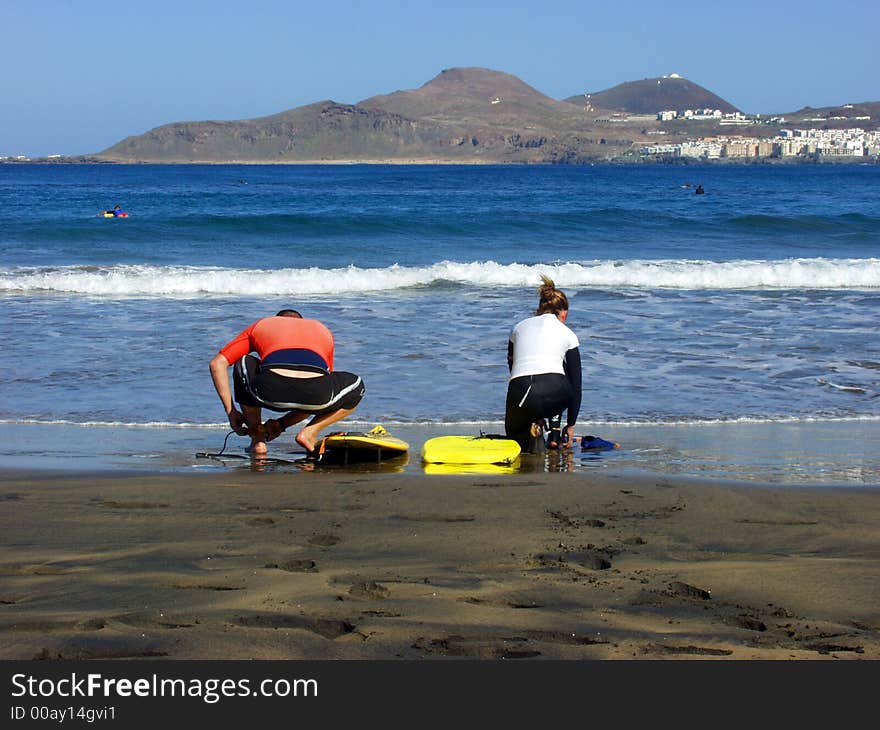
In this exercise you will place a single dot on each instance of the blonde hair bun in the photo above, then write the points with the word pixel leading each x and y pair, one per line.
pixel 551 300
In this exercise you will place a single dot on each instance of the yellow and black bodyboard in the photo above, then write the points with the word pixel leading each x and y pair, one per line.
pixel 348 447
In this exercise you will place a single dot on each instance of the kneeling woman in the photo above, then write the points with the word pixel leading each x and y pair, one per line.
pixel 545 370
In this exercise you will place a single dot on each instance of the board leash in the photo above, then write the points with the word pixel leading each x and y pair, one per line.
pixel 217 455
pixel 223 455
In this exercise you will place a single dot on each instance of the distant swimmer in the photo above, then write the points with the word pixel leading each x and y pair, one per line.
pixel 699 190
pixel 117 212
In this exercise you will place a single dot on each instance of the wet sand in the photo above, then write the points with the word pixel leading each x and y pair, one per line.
pixel 348 565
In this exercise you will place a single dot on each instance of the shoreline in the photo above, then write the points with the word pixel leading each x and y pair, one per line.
pixel 348 565
pixel 785 454
pixel 679 162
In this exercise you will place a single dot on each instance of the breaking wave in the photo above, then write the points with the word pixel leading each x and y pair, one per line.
pixel 117 281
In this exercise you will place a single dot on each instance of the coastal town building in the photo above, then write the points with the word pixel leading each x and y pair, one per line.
pixel 716 115
pixel 737 118
pixel 806 143
pixel 703 114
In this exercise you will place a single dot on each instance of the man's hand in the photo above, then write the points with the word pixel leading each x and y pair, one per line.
pixel 273 428
pixel 236 421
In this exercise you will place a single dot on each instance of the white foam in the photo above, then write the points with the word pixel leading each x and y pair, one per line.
pixel 119 281
pixel 107 424
pixel 845 388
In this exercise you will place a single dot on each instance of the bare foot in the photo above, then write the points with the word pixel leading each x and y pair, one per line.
pixel 258 443
pixel 257 448
pixel 304 440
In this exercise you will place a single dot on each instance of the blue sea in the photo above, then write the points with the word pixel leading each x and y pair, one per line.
pixel 731 335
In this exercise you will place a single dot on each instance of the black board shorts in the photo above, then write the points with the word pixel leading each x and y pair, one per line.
pixel 262 388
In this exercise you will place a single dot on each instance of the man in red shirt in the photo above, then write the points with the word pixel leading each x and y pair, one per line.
pixel 292 373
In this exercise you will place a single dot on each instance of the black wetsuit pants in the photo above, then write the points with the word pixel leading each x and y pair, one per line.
pixel 531 398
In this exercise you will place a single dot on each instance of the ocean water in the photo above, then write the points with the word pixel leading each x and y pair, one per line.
pixel 754 306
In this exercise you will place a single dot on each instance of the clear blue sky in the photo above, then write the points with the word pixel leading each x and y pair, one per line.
pixel 77 76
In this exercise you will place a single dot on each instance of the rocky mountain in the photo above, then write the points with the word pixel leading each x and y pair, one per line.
pixel 866 114
pixel 474 96
pixel 650 96
pixel 325 130
pixel 462 115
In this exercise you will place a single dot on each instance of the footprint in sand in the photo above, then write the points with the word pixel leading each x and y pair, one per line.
pixel 324 540
pixel 260 522
pixel 688 649
pixel 295 566
pixel 689 591
pixel 113 504
pixel 328 628
pixel 31 570
pixel 102 648
pixel 596 562
pixel 369 590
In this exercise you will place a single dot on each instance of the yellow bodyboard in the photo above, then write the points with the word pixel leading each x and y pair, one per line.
pixel 469 450
pixel 377 441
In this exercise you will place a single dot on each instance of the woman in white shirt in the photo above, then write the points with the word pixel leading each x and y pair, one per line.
pixel 545 370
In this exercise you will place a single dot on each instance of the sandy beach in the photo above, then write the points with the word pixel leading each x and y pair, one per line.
pixel 352 565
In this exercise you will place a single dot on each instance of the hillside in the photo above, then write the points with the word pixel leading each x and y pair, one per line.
pixel 864 114
pixel 461 115
pixel 467 115
pixel 650 96
pixel 324 130
pixel 475 95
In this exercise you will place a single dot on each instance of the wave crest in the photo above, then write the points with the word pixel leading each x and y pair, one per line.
pixel 191 281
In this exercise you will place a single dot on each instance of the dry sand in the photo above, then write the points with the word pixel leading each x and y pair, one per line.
pixel 351 565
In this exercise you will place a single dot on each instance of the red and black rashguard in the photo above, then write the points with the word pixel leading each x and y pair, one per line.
pixel 304 344
pixel 290 343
